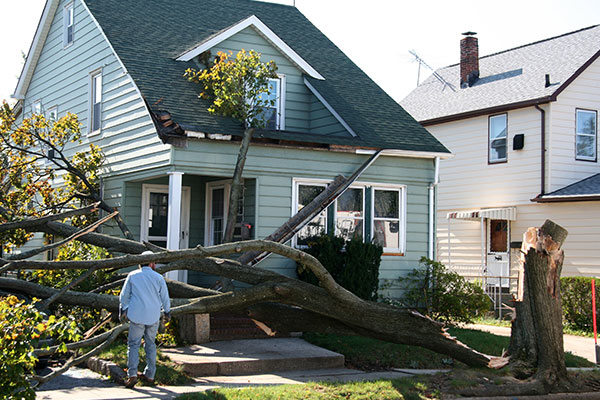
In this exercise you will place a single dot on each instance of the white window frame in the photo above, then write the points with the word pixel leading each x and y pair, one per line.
pixel 491 140
pixel 52 113
pixel 401 189
pixel 210 186
pixel 93 85
pixel 364 209
pixel 295 191
pixel 279 101
pixel 68 22
pixel 145 216
pixel 36 107
pixel 595 135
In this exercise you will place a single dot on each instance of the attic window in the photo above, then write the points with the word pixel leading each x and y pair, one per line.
pixel 68 26
pixel 275 115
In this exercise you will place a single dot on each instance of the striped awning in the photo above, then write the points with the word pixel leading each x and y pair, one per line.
pixel 508 213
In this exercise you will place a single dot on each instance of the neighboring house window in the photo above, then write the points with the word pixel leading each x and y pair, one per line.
pixel 585 141
pixel 497 138
pixel 306 192
pixel 274 114
pixel 387 211
pixel 349 214
pixel 52 114
pixel 68 25
pixel 96 101
pixel 36 107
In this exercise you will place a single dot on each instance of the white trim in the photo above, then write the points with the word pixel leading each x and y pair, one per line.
pixel 264 31
pixel 281 102
pixel 401 189
pixel 407 153
pixel 210 186
pixel 594 135
pixel 49 111
pixel 144 217
pixel 35 49
pixel 66 16
pixel 329 107
pixel 36 104
pixel 296 182
pixel 91 92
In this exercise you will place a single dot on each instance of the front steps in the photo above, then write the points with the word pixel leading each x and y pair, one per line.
pixel 254 356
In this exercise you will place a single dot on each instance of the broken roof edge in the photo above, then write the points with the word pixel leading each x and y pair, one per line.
pixel 264 31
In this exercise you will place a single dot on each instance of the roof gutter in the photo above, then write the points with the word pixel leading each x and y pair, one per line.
pixel 565 199
pixel 408 153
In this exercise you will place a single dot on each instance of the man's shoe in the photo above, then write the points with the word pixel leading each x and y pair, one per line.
pixel 130 382
pixel 145 379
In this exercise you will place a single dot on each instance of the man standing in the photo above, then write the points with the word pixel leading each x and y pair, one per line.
pixel 142 296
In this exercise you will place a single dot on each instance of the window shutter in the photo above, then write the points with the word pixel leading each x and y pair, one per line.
pixel 368 213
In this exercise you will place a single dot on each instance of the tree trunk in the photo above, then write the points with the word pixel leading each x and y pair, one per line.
pixel 536 338
pixel 236 186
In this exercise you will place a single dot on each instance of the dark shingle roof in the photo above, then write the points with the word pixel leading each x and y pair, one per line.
pixel 589 186
pixel 509 77
pixel 149 35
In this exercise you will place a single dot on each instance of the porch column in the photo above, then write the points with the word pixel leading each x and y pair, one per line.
pixel 174 221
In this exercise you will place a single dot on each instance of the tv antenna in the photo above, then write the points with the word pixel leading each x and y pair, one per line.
pixel 435 74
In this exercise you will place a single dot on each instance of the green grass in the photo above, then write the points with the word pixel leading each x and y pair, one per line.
pixel 400 389
pixel 567 330
pixel 371 354
pixel 167 373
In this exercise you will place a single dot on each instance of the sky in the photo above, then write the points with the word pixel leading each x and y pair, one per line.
pixel 376 34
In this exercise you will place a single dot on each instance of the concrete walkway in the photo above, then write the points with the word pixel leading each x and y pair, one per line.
pixel 101 391
pixel 578 345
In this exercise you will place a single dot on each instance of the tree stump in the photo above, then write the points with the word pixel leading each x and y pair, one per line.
pixel 536 345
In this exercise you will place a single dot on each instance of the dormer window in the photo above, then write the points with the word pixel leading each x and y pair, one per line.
pixel 68 26
pixel 274 114
pixel 585 135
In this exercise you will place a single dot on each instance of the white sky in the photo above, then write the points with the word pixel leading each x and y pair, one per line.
pixel 376 34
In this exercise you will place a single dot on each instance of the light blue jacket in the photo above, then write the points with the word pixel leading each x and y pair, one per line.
pixel 142 296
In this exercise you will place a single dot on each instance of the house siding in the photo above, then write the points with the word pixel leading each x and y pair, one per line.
pixel 583 92
pixel 62 78
pixel 301 112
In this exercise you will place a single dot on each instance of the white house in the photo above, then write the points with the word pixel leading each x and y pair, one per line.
pixel 522 124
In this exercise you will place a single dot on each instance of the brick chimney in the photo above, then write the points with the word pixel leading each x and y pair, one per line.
pixel 469 60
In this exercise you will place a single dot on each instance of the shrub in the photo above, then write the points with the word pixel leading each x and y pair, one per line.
pixel 443 295
pixel 576 293
pixel 353 264
pixel 22 328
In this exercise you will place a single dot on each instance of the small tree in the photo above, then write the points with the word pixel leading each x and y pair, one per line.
pixel 238 88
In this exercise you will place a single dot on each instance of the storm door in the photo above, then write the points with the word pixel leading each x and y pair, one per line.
pixel 498 251
pixel 155 209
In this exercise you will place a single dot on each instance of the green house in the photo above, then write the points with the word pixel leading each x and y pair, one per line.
pixel 119 65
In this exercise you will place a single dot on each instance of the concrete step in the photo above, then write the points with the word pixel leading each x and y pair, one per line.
pixel 232 327
pixel 253 356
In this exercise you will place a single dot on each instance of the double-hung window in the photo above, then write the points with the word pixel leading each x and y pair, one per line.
pixel 68 26
pixel 95 101
pixel 387 208
pixel 585 135
pixel 497 138
pixel 305 193
pixel 52 114
pixel 273 113
pixel 349 213
pixel 36 107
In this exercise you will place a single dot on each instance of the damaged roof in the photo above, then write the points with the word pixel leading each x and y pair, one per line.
pixel 510 79
pixel 149 36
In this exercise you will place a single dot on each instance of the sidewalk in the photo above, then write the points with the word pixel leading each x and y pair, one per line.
pixel 105 390
pixel 578 345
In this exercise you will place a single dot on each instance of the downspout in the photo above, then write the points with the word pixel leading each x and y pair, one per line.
pixel 432 186
pixel 543 150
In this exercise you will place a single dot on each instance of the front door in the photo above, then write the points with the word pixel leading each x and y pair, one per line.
pixel 155 209
pixel 498 252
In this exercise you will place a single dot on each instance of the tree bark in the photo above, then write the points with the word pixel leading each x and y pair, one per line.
pixel 537 338
pixel 236 186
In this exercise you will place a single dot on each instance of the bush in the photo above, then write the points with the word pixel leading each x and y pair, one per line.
pixel 22 328
pixel 576 293
pixel 353 264
pixel 443 295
